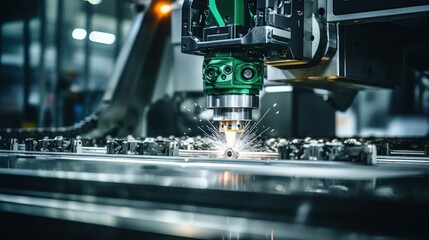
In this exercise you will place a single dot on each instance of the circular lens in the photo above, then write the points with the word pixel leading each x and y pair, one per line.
pixel 210 73
pixel 227 70
pixel 229 153
pixel 247 73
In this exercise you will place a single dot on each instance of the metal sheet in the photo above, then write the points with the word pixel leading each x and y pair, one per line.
pixel 213 198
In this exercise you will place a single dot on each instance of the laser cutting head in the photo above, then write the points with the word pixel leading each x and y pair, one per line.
pixel 236 37
pixel 233 112
pixel 232 82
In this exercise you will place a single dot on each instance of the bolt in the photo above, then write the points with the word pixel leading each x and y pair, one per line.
pixel 230 153
pixel 247 73
pixel 227 70
pixel 210 73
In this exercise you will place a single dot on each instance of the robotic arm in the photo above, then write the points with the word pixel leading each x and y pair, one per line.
pixel 237 37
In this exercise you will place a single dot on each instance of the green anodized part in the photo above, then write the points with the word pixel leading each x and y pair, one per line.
pixel 232 73
pixel 227 12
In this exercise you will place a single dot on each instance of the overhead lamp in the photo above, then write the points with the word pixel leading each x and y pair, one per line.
pixel 102 37
pixel 94 36
pixel 79 34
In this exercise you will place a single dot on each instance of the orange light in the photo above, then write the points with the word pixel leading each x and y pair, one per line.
pixel 164 8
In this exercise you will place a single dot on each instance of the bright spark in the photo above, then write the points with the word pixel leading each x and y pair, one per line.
pixel 246 141
pixel 230 139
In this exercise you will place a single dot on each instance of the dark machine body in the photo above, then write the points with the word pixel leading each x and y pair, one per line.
pixel 91 180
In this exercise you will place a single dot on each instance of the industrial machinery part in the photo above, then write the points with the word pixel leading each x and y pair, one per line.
pixel 413 147
pixel 129 146
pixel 232 82
pixel 149 146
pixel 58 144
pixel 368 151
pixel 236 37
pixel 8 144
pixel 349 150
pixel 363 151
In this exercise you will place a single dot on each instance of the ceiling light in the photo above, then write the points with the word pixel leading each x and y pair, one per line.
pixel 102 37
pixel 79 34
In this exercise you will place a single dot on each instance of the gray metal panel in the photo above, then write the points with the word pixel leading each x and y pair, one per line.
pixel 373 14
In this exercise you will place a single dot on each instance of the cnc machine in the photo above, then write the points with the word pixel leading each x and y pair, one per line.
pixel 118 174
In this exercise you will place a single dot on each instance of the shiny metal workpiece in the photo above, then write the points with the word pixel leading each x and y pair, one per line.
pixel 197 198
pixel 233 154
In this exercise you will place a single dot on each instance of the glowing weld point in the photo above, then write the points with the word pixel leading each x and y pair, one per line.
pixel 195 104
pixel 277 112
pixel 189 110
pixel 246 141
pixel 189 129
pixel 195 118
pixel 275 104
pixel 272 130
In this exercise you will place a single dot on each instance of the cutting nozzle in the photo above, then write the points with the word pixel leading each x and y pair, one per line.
pixel 232 111
pixel 233 125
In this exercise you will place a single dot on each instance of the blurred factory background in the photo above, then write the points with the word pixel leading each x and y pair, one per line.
pixel 57 58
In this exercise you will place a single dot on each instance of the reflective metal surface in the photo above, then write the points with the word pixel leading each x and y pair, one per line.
pixel 229 114
pixel 232 101
pixel 205 198
pixel 234 111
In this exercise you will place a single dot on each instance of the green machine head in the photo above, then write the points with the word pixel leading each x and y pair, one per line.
pixel 232 77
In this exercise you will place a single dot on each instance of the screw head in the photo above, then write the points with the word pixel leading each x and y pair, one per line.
pixel 247 73
pixel 227 69
pixel 210 73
